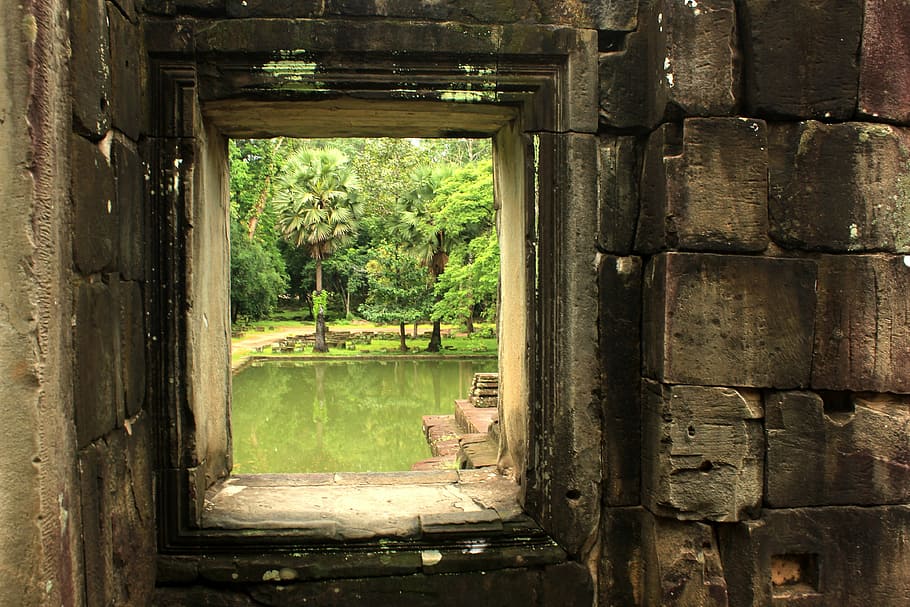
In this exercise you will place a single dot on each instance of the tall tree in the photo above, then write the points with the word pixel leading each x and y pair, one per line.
pixel 418 228
pixel 316 197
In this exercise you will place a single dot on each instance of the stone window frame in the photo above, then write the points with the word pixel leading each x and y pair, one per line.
pixel 204 72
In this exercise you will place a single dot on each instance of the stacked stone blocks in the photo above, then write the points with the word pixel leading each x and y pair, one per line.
pixel 766 238
pixel 113 426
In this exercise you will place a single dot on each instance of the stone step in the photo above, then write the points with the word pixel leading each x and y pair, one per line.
pixel 471 419
pixel 479 454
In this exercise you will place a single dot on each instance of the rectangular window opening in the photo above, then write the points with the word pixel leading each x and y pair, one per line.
pixel 311 435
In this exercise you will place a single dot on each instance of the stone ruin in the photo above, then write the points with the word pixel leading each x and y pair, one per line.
pixel 705 214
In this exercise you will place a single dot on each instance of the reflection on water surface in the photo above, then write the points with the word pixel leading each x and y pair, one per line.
pixel 344 416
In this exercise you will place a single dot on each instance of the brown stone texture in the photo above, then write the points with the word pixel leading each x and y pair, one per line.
pixel 680 61
pixel 801 57
pixel 90 69
pixel 619 329
pixel 620 569
pixel 565 486
pixel 728 320
pixel 840 187
pixel 96 339
pixel 845 556
pixel 126 70
pixel 132 347
pixel 625 84
pixel 648 560
pixel 851 450
pixel 619 15
pixel 702 452
pixel 129 180
pixel 618 174
pixel 95 211
pixel 884 76
pixel 696 57
pixel 118 517
pixel 683 565
pixel 705 187
pixel 862 327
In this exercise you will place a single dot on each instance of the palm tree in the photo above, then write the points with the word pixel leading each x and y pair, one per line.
pixel 418 229
pixel 317 209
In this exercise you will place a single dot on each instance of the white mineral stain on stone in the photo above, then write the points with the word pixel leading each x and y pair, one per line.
pixel 854 231
pixel 430 557
pixel 907 260
pixel 691 3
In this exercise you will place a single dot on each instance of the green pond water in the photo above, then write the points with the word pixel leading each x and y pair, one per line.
pixel 344 416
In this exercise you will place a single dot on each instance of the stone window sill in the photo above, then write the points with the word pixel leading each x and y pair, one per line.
pixel 366 506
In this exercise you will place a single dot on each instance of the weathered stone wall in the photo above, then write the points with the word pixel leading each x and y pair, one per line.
pixel 750 440
pixel 765 233
pixel 110 265
pixel 40 515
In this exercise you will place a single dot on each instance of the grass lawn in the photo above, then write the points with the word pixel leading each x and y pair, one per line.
pixel 457 345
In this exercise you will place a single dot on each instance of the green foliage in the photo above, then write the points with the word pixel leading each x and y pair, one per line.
pixel 399 292
pixel 320 300
pixel 470 284
pixel 257 275
pixel 316 199
pixel 325 207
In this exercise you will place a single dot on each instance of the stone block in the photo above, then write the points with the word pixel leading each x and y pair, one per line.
pixel 129 181
pixel 862 326
pixel 128 8
pixel 275 8
pixel 837 449
pixel 197 7
pixel 884 76
pixel 620 570
pixel 683 565
pixel 90 68
pixel 614 15
pixel 800 57
pixel 705 187
pixel 618 174
pixel 697 55
pixel 118 517
pixel 96 345
pixel 626 84
pixel 702 452
pixel 619 330
pixel 565 487
pixel 729 320
pixel 132 347
pixel 648 560
pixel 845 556
pixel 840 187
pixel 95 212
pixel 127 70
pixel 96 526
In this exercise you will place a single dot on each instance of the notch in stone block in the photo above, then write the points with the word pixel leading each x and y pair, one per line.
pixel 793 575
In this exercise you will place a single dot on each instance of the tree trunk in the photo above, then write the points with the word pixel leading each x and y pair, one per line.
pixel 414 332
pixel 469 323
pixel 435 339
pixel 319 345
pixel 403 346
